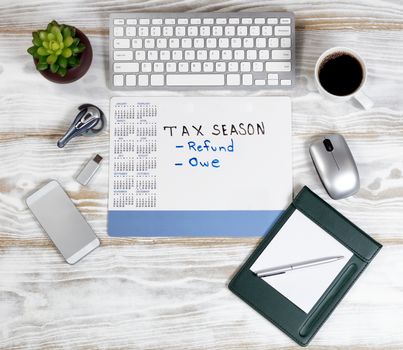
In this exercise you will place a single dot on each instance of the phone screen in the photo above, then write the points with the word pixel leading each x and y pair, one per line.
pixel 61 220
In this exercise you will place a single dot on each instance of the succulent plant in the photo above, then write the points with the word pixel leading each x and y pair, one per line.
pixel 56 48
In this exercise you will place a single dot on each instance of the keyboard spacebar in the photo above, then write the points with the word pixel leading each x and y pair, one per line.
pixel 195 79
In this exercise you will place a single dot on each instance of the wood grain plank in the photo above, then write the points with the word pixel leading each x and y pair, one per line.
pixel 314 14
pixel 119 298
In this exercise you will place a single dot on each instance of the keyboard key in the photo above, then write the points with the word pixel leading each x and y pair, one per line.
pixel 180 31
pixel 221 21
pixel 144 21
pixel 211 43
pixel 260 21
pixel 236 43
pixel 183 21
pixel 208 67
pixel 198 43
pixel 285 20
pixel 233 21
pixel 162 43
pixel 248 42
pixel 118 31
pixel 183 67
pixel 220 66
pixel 245 67
pixel 285 42
pixel 239 54
pixel 130 80
pixel 233 67
pixel 157 21
pixel 123 55
pixel 126 67
pixel 286 82
pixel 260 82
pixel 168 31
pixel 272 21
pixel 229 31
pixel 146 67
pixel 257 66
pixel 177 55
pixel 272 76
pixel 118 21
pixel 149 43
pixel 273 42
pixel 189 55
pixel 195 79
pixel 272 82
pixel 282 30
pixel 267 30
pixel 173 43
pixel 186 43
pixel 217 31
pixel 226 55
pixel 214 55
pixel 246 20
pixel 118 80
pixel 137 43
pixel 208 21
pixel 242 31
pixel 143 80
pixel 193 31
pixel 278 66
pixel 159 67
pixel 251 54
pixel 171 67
pixel 157 80
pixel 233 79
pixel 131 21
pixel 170 21
pixel 121 43
pixel 155 31
pixel 195 21
pixel 205 31
pixel 140 55
pixel 131 31
pixel 201 55
pixel 223 43
pixel 143 31
pixel 254 30
pixel 165 55
pixel 195 67
pixel 281 54
pixel 247 79
pixel 152 55
pixel 264 54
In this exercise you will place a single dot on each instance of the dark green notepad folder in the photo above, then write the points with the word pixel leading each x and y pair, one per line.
pixel 266 300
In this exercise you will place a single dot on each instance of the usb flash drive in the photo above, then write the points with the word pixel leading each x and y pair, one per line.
pixel 89 170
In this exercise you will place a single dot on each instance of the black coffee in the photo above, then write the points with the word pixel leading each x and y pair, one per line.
pixel 341 74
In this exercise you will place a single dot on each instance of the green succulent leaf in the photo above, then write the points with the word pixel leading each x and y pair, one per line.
pixel 42 66
pixel 62 71
pixel 74 61
pixel 68 41
pixel 80 48
pixel 54 67
pixel 42 51
pixel 36 41
pixel 32 50
pixel 76 41
pixel 62 61
pixel 50 36
pixel 66 32
pixel 42 35
pixel 43 59
pixel 45 44
pixel 51 59
pixel 67 52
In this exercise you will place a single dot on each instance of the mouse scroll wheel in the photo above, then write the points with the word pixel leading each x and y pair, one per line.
pixel 328 145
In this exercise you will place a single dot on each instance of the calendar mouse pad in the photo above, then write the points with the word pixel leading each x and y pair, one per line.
pixel 198 166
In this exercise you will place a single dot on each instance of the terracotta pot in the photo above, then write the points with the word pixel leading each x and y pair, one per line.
pixel 75 73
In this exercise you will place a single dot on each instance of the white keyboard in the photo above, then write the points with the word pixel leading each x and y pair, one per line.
pixel 177 51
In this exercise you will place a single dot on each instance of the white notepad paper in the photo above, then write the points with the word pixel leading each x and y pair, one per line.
pixel 300 239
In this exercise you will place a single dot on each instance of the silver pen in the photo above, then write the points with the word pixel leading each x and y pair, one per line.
pixel 299 265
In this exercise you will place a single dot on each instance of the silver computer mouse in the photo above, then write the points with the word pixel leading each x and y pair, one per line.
pixel 335 165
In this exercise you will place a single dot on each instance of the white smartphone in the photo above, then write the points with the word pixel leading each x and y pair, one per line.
pixel 66 227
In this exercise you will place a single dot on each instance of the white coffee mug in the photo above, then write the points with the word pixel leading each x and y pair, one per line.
pixel 364 100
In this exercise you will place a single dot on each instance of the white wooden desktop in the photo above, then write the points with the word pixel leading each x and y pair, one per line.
pixel 140 293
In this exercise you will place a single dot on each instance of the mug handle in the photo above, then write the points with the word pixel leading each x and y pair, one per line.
pixel 364 100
